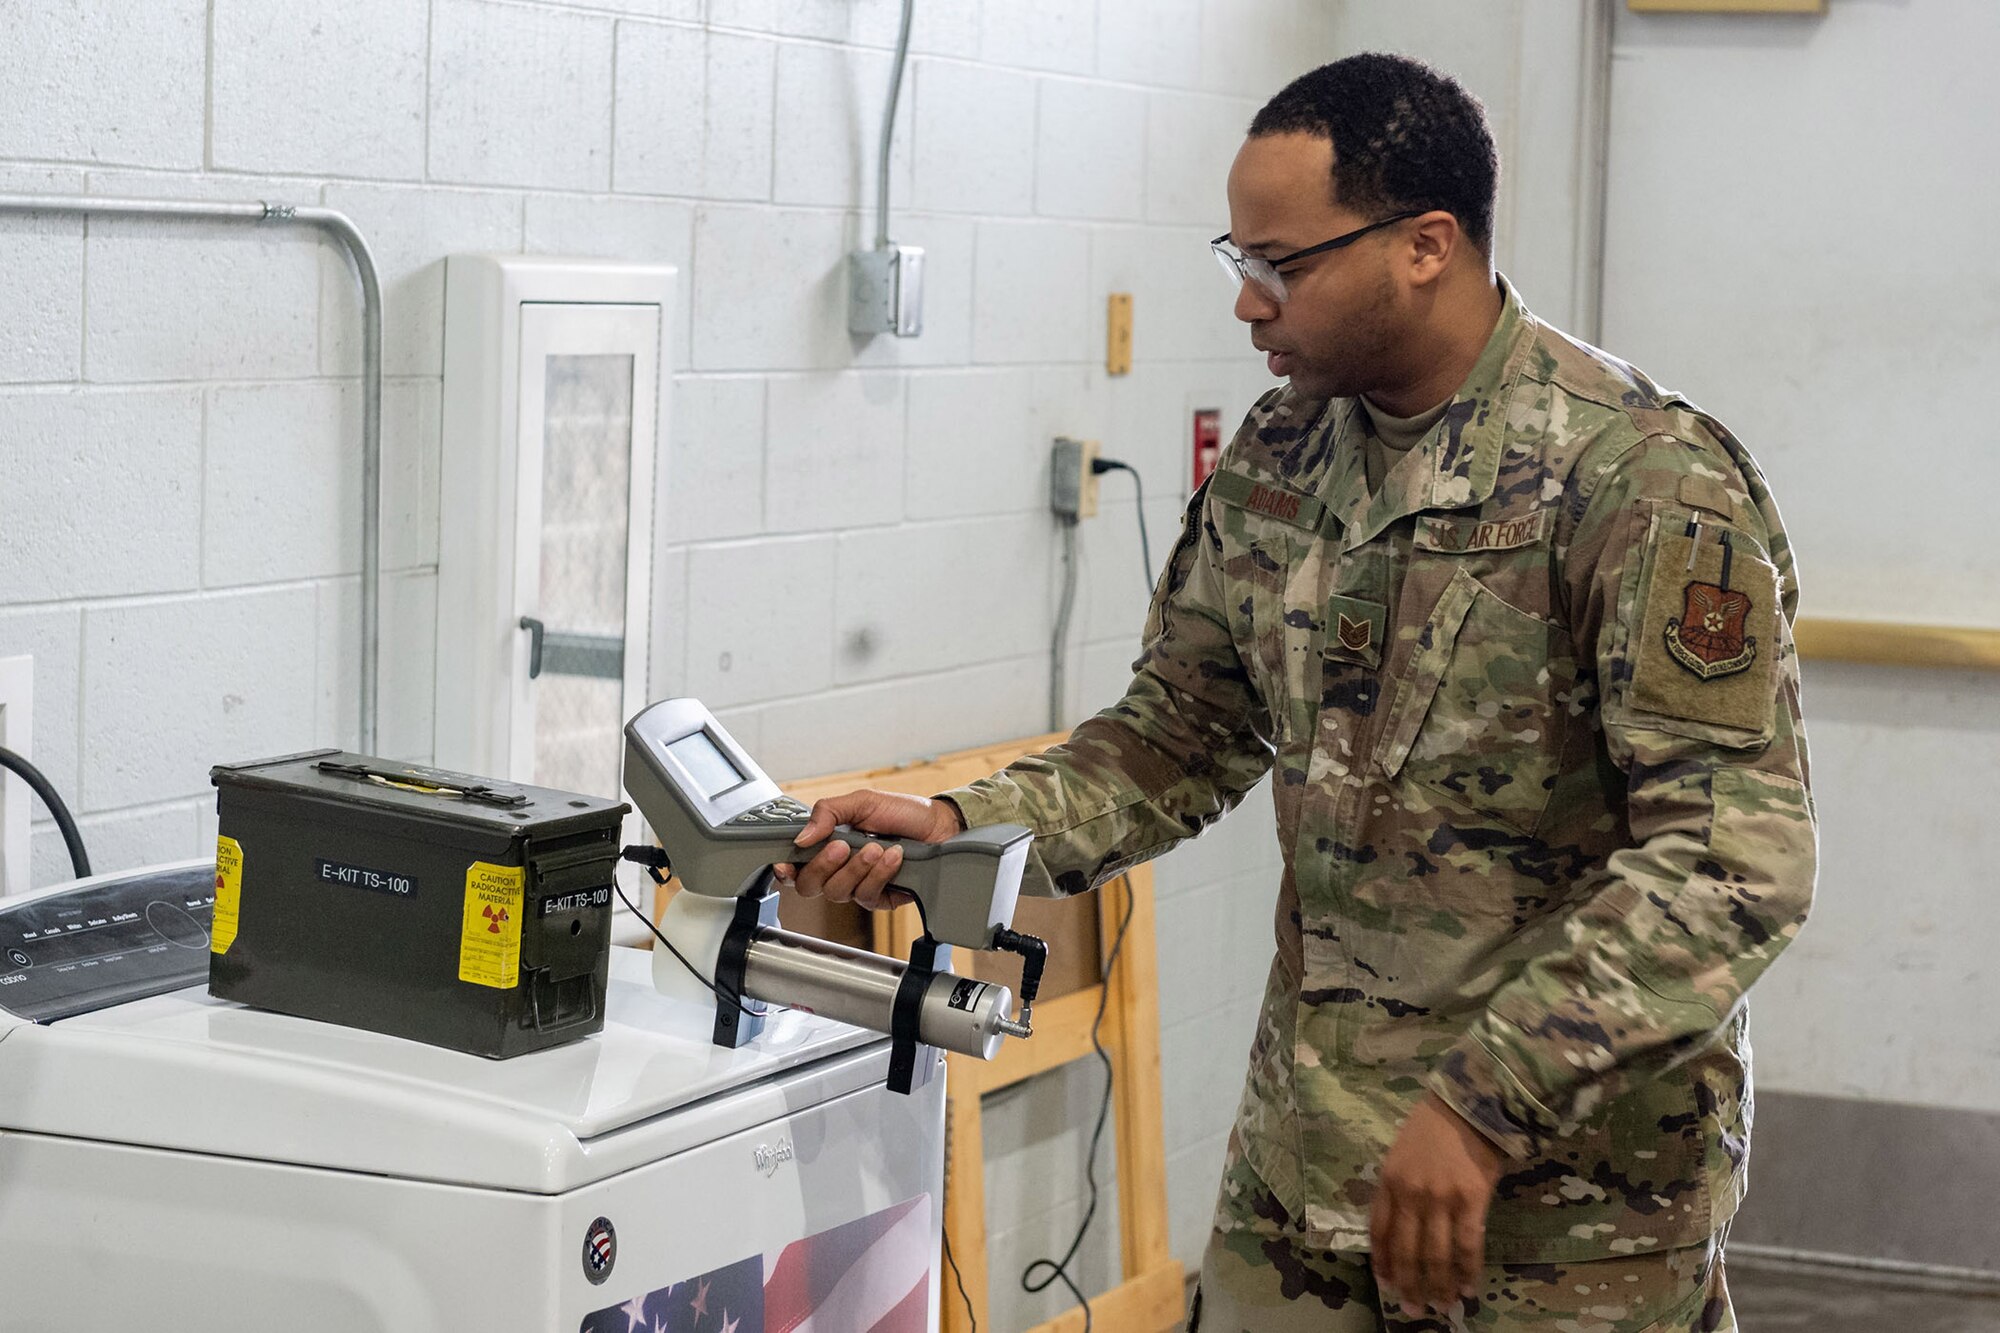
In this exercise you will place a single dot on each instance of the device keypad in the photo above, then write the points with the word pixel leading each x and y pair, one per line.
pixel 783 811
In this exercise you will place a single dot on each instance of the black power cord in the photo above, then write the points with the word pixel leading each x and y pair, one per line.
pixel 79 860
pixel 655 860
pixel 1100 466
pixel 1059 1268
pixel 959 1278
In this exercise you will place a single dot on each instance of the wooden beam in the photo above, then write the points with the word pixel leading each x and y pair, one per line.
pixel 922 777
pixel 1142 1148
pixel 1152 1300
pixel 1887 643
pixel 964 1202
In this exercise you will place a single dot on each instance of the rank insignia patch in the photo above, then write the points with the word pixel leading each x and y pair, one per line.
pixel 1708 637
pixel 1355 635
pixel 1355 627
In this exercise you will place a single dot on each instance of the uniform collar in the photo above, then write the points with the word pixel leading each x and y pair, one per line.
pixel 1458 463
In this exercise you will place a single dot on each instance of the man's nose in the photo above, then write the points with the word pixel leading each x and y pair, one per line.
pixel 1253 304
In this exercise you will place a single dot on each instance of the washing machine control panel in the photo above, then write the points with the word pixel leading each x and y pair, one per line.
pixel 105 941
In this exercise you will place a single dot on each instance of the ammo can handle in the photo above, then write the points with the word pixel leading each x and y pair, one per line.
pixel 471 791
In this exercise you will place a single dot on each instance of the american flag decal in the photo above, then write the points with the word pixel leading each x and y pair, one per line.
pixel 871 1275
pixel 600 1250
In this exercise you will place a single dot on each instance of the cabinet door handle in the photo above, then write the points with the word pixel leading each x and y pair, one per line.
pixel 535 630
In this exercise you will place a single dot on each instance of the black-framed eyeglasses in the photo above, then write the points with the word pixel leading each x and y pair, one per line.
pixel 1264 272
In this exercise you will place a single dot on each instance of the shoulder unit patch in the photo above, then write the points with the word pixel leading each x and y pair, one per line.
pixel 1708 637
pixel 1706 649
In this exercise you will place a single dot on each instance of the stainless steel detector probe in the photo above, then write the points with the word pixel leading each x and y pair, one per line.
pixel 722 824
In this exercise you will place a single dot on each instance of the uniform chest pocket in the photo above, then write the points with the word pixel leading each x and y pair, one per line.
pixel 1285 621
pixel 1482 710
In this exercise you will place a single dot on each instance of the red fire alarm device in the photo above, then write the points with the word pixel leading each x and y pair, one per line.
pixel 1207 444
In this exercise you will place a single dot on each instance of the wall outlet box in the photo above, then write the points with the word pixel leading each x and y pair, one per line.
pixel 1072 484
pixel 17 712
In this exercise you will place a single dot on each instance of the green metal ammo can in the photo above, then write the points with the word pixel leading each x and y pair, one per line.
pixel 444 908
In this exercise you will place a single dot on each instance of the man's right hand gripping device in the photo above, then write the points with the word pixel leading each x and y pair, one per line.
pixel 722 824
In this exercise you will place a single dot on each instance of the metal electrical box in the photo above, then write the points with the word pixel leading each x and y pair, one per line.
pixel 886 294
pixel 403 899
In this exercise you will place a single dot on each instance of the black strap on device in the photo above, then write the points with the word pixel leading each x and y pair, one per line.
pixel 735 1022
pixel 906 1018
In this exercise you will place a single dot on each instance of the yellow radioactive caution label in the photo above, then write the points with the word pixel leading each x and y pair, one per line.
pixel 489 946
pixel 228 894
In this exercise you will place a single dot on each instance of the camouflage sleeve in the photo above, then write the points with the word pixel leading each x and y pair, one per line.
pixel 1188 739
pixel 1679 582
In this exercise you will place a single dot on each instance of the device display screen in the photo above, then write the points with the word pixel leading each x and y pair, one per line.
pixel 712 770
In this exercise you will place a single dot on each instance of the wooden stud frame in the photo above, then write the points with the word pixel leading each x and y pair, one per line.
pixel 1150 1295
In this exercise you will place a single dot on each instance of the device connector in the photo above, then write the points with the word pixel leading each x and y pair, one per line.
pixel 1034 955
pixel 653 858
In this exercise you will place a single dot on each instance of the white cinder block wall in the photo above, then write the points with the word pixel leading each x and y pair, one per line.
pixel 863 569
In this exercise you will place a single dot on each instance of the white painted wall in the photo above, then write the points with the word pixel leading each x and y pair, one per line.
pixel 863 568
pixel 1799 236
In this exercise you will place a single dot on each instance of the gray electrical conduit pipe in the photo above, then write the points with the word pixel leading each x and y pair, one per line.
pixel 342 229
pixel 888 130
pixel 1059 648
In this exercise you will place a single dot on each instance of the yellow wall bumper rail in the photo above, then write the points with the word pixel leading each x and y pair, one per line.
pixel 1890 643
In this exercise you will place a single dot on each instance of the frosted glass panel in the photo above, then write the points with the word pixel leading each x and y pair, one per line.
pixel 586 494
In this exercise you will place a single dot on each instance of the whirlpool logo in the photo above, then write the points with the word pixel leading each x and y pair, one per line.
pixel 770 1156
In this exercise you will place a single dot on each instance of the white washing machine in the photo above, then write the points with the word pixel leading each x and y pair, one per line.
pixel 169 1161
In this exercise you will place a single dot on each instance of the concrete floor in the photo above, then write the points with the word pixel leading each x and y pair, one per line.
pixel 1773 1300
pixel 1769 1300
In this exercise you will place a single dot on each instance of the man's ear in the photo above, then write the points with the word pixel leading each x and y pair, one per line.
pixel 1435 237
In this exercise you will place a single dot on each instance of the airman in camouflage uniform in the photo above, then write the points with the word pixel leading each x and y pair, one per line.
pixel 1529 705
pixel 1438 677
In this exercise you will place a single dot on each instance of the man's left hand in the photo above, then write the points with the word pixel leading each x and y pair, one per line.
pixel 1428 1227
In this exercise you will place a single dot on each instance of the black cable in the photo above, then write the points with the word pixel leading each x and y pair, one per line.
pixel 959 1278
pixel 1059 1268
pixel 79 860
pixel 693 971
pixel 1100 466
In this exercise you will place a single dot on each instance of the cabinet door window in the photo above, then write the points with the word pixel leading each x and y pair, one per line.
pixel 586 494
pixel 589 393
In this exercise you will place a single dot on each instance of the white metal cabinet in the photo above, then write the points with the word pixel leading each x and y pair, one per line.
pixel 554 439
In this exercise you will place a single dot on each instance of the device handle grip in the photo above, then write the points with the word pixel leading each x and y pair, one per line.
pixel 913 849
pixel 992 838
pixel 965 884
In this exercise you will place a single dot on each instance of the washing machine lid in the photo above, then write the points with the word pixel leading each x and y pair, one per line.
pixel 187 1072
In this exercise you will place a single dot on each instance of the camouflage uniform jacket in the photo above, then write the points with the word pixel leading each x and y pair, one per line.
pixel 1532 716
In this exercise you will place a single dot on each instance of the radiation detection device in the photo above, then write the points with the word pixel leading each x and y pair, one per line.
pixel 723 824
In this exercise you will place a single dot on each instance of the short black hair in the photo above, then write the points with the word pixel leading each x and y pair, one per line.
pixel 1405 135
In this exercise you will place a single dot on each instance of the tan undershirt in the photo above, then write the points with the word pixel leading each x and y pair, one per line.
pixel 1389 438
